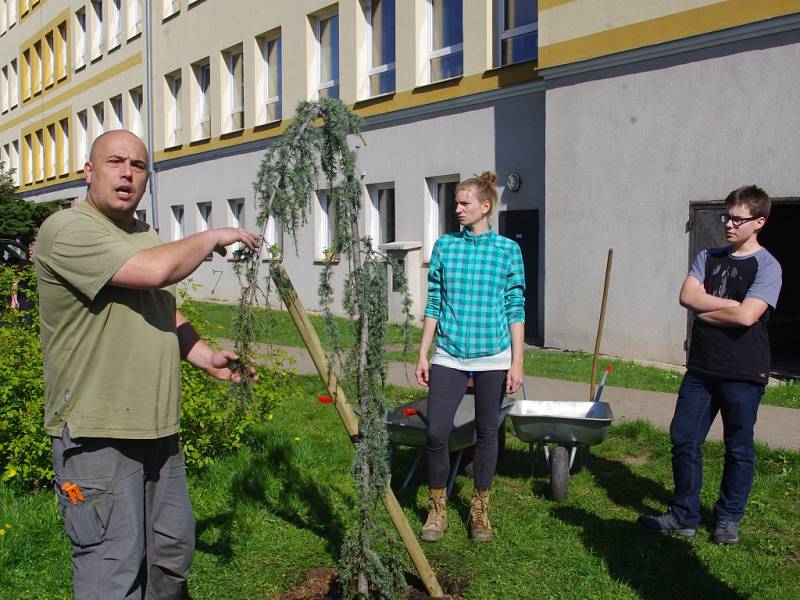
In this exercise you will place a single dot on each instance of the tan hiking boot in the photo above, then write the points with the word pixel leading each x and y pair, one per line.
pixel 479 527
pixel 436 524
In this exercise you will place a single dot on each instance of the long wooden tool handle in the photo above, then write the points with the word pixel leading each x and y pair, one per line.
pixel 300 317
pixel 600 323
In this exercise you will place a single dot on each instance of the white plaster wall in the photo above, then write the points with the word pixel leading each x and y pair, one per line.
pixel 461 142
pixel 626 153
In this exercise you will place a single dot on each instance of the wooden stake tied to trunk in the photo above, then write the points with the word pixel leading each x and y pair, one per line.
pixel 303 323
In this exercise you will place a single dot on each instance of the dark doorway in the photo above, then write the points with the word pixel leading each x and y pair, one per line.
pixel 522 226
pixel 707 231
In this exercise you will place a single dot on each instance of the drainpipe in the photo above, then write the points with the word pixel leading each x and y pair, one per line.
pixel 148 53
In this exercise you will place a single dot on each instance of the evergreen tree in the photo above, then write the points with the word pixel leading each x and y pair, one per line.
pixel 315 144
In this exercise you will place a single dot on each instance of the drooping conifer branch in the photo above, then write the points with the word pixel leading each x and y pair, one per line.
pixel 316 145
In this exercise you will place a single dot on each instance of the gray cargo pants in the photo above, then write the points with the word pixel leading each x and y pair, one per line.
pixel 133 533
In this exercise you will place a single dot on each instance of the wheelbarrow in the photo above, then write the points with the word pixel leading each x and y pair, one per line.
pixel 407 425
pixel 571 427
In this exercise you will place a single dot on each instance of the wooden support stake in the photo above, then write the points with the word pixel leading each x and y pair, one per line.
pixel 600 323
pixel 300 317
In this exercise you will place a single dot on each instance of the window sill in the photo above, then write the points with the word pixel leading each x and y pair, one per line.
pixel 200 142
pixel 373 100
pixel 232 134
pixel 80 67
pixel 324 261
pixel 435 85
pixel 268 125
pixel 173 147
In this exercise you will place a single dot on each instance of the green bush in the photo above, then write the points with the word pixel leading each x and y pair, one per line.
pixel 210 424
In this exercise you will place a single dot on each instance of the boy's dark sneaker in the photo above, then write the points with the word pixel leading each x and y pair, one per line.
pixel 666 523
pixel 726 532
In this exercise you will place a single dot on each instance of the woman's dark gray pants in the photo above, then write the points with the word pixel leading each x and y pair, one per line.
pixel 446 390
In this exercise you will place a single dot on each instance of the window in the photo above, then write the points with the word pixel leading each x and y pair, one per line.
pixel 4 89
pixel 62 47
pixel 135 13
pixel 63 147
pixel 380 46
pixel 49 68
pixel 177 223
pixel 13 161
pixel 12 12
pixel 36 67
pixel 518 31
pixel 80 38
pixel 82 141
pixel 174 133
pixel 272 60
pixel 141 215
pixel 50 164
pixel 38 155
pixel 201 113
pixel 273 240
pixel 3 13
pixel 326 224
pixel 203 216
pixel 234 93
pixel 235 219
pixel 440 213
pixel 171 7
pixel 27 159
pixel 382 214
pixel 13 84
pixel 446 39
pixel 327 54
pixel 135 122
pixel 116 112
pixel 26 74
pixel 96 29
pixel 99 120
pixel 114 24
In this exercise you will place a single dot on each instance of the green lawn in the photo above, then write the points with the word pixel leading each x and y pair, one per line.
pixel 570 366
pixel 269 513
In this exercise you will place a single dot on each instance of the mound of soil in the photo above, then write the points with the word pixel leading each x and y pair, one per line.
pixel 322 584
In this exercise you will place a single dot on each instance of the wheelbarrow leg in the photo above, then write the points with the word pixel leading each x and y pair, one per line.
pixel 413 469
pixel 454 472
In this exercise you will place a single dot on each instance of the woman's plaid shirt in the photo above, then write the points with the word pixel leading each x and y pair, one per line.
pixel 476 286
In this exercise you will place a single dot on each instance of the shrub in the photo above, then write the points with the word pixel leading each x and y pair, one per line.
pixel 210 424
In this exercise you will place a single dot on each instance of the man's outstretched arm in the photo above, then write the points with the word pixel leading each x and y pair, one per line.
pixel 170 263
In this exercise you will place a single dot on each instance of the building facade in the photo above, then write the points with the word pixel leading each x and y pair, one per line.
pixel 608 124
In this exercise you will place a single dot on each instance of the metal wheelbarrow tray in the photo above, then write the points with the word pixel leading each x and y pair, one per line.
pixel 407 425
pixel 569 425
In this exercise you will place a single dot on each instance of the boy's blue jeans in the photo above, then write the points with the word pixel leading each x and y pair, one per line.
pixel 700 398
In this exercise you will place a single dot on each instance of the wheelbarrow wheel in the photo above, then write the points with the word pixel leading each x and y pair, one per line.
pixel 559 473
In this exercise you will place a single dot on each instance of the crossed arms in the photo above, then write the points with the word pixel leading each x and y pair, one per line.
pixel 721 312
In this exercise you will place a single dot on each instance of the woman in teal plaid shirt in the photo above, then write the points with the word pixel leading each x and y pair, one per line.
pixel 476 309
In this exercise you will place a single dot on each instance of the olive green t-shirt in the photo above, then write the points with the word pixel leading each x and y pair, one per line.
pixel 111 356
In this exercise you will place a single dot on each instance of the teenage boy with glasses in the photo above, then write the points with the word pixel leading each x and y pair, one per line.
pixel 732 290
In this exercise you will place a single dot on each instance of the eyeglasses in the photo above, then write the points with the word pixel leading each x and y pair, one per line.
pixel 735 220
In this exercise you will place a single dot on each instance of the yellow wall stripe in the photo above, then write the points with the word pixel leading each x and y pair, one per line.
pixel 76 89
pixel 714 17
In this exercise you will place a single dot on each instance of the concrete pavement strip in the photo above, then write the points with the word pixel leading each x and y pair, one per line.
pixel 777 427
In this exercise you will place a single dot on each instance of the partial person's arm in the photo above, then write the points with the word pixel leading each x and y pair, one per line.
pixel 516 374
pixel 199 354
pixel 170 263
pixel 743 315
pixel 423 368
pixel 694 297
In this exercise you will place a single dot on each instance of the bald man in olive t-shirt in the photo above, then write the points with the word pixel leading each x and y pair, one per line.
pixel 112 340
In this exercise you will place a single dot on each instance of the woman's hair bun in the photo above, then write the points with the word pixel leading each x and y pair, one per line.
pixel 489 176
